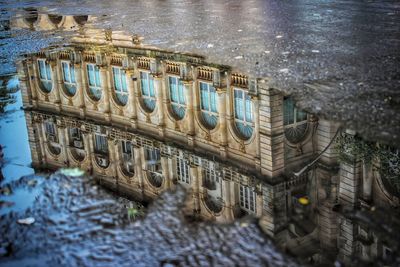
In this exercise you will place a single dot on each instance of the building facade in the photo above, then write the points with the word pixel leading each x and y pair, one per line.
pixel 143 120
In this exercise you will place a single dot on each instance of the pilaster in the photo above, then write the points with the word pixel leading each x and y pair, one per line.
pixel 132 89
pixel 271 131
pixel 189 109
pixel 160 106
pixel 105 81
pixel 80 81
pixel 223 134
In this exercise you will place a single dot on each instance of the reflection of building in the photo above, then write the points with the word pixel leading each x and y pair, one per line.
pixel 250 138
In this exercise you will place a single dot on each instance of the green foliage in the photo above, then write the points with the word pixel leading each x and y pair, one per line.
pixel 387 159
pixel 351 147
pixel 135 211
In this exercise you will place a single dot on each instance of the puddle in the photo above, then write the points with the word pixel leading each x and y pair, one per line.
pixel 278 146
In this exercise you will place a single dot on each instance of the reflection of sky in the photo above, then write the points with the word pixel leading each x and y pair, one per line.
pixel 14 139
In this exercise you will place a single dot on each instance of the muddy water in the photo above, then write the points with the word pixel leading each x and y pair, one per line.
pixel 79 223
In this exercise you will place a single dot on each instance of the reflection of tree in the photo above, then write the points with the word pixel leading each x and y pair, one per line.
pixel 383 158
pixel 7 88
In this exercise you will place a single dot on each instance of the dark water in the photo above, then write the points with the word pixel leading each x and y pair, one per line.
pixel 339 61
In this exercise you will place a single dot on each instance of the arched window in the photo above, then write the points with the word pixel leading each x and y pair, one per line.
pixel 294 120
pixel 148 95
pixel 68 71
pixel 177 96
pixel 94 81
pixel 243 113
pixel 208 104
pixel 45 75
pixel 120 86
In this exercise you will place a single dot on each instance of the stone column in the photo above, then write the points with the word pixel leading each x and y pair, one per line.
pixel 31 72
pixel 165 171
pixel 80 81
pixel 42 140
pixel 223 134
pixel 189 107
pixel 88 146
pixel 132 88
pixel 271 131
pixel 57 81
pixel 160 106
pixel 274 211
pixel 195 189
pixel 367 175
pixel 63 142
pixel 256 118
pixel 105 82
pixel 34 140
pixel 24 83
pixel 228 199
pixel 139 165
pixel 91 149
pixel 112 152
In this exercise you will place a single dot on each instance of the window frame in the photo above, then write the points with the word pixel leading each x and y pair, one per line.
pixel 247 198
pixel 182 171
pixel 125 147
pixel 152 156
pixel 48 79
pixel 78 136
pixel 181 96
pixel 97 80
pixel 122 92
pixel 70 83
pixel 50 128
pixel 294 115
pixel 209 112
pixel 101 150
pixel 246 101
pixel 149 96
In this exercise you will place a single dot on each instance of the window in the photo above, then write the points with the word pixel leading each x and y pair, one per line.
pixel 243 113
pixel 68 71
pixel 120 86
pixel 294 120
pixel 94 81
pixel 45 75
pixel 208 104
pixel 75 134
pixel 292 115
pixel 50 129
pixel 210 179
pixel 126 147
pixel 153 159
pixel 177 96
pixel 100 144
pixel 247 198
pixel 182 171
pixel 148 95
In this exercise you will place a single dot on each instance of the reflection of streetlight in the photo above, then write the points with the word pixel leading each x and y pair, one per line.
pixel 304 201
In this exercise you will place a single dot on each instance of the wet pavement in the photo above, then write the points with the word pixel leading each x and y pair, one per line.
pixel 348 50
pixel 77 223
pixel 339 60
